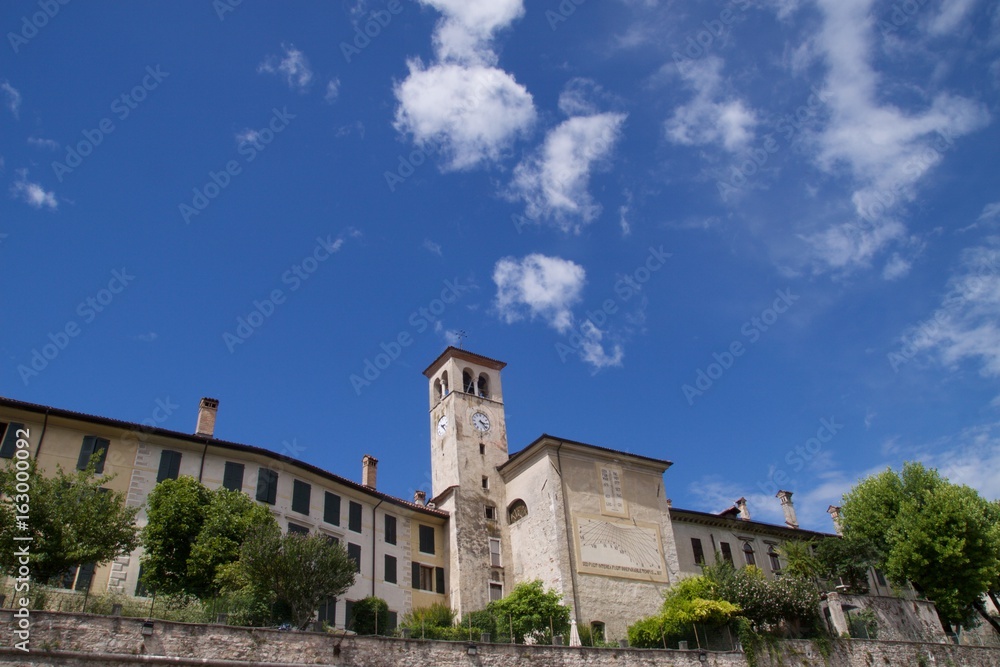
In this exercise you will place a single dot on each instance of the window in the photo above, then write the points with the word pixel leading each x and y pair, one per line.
pixel 444 383
pixel 699 552
pixel 482 449
pixel 393 620
pixel 354 553
pixel 85 576
pixel 491 512
pixel 170 465
pixel 483 386
pixel 439 579
pixel 727 553
pixel 348 614
pixel 354 517
pixel 495 552
pixel 438 395
pixel 390 529
pixel 516 511
pixel 296 528
pixel 880 578
pixel 232 478
pixel 328 611
pixel 468 384
pixel 597 630
pixel 748 554
pixel 390 569
pixel 331 508
pixel 301 494
pixel 267 486
pixel 427 539
pixel 486 482
pixel 496 591
pixel 94 445
pixel 427 578
pixel 9 443
pixel 332 539
pixel 140 588
pixel 772 555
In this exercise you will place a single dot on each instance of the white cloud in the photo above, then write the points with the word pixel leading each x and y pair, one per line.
pixel 432 247
pixel 623 215
pixel 965 326
pixel 538 286
pixel 467 28
pixel 247 136
pixel 592 347
pixel 850 244
pixel 294 66
pixel 708 118
pixel 472 114
pixel 896 267
pixel 148 337
pixel 990 212
pixel 972 457
pixel 950 16
pixel 13 98
pixel 554 181
pixel 33 194
pixel 332 91
pixel 44 144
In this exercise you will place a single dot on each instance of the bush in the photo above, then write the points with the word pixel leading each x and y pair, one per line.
pixel 371 616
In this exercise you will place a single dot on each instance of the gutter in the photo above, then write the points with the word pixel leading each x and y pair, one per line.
pixel 569 537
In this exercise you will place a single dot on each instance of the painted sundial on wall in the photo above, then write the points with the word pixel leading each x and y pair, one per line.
pixel 618 548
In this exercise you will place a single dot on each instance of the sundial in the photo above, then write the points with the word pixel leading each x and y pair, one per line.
pixel 619 548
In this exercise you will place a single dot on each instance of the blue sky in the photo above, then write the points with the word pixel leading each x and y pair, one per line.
pixel 757 238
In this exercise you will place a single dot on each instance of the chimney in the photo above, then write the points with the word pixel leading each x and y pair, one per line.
pixel 786 504
pixel 420 497
pixel 834 512
pixel 741 505
pixel 369 466
pixel 206 417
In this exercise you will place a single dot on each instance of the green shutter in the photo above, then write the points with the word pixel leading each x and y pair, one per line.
pixel 331 509
pixel 415 573
pixel 9 445
pixel 232 478
pixel 86 451
pixel 439 579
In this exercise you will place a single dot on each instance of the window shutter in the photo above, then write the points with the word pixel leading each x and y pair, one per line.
pixel 232 478
pixel 87 449
pixel 354 552
pixel 170 465
pixel 85 576
pixel 101 447
pixel 301 492
pixel 439 579
pixel 415 572
pixel 390 569
pixel 354 517
pixel 427 539
pixel 348 614
pixel 9 445
pixel 267 486
pixel 390 529
pixel 331 509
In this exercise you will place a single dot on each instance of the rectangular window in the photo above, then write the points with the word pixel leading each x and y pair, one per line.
pixel 85 576
pixel 232 478
pixel 296 528
pixel 8 445
pixel 423 577
pixel 496 591
pixel 439 579
pixel 427 539
pixel 727 552
pixel 354 553
pixel 390 529
pixel 332 539
pixel 495 551
pixel 491 513
pixel 94 445
pixel 140 588
pixel 331 508
pixel 348 614
pixel 267 486
pixel 328 612
pixel 880 578
pixel 486 482
pixel 170 465
pixel 393 620
pixel 390 569
pixel 699 553
pixel 301 495
pixel 354 517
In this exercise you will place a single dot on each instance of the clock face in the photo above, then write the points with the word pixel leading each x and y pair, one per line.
pixel 442 425
pixel 481 422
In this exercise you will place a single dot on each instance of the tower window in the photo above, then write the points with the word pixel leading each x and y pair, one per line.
pixel 486 482
pixel 483 385
pixel 444 383
pixel 516 511
pixel 496 591
pixel 495 552
pixel 491 513
pixel 468 384
pixel 482 449
pixel 437 390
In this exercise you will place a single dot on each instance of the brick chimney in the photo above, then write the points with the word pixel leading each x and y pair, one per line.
pixel 206 417
pixel 420 497
pixel 741 505
pixel 786 504
pixel 834 512
pixel 369 466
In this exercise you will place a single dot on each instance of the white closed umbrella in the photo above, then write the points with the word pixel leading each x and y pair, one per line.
pixel 574 634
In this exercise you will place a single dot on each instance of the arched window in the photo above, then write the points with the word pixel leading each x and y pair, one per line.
pixel 437 390
pixel 468 384
pixel 444 383
pixel 484 386
pixel 748 554
pixel 516 511
pixel 772 555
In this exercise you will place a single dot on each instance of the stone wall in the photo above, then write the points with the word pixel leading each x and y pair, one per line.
pixel 897 619
pixel 72 640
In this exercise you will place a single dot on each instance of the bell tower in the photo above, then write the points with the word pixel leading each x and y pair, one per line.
pixel 468 442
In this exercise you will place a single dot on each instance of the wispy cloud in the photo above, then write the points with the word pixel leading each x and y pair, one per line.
pixel 44 144
pixel 12 98
pixel 33 194
pixel 712 116
pixel 332 91
pixel 293 65
pixel 432 247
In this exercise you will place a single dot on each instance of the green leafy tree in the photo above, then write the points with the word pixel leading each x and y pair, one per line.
pixel 72 519
pixel 799 559
pixel 690 601
pixel 944 538
pixel 764 603
pixel 531 610
pixel 193 532
pixel 846 560
pixel 295 571
pixel 371 616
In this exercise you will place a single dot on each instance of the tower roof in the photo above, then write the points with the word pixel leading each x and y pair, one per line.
pixel 459 353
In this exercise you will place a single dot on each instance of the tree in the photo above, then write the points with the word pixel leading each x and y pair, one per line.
pixel 799 559
pixel 296 570
pixel 690 601
pixel 846 560
pixel 434 622
pixel 532 611
pixel 193 532
pixel 371 616
pixel 944 538
pixel 72 519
